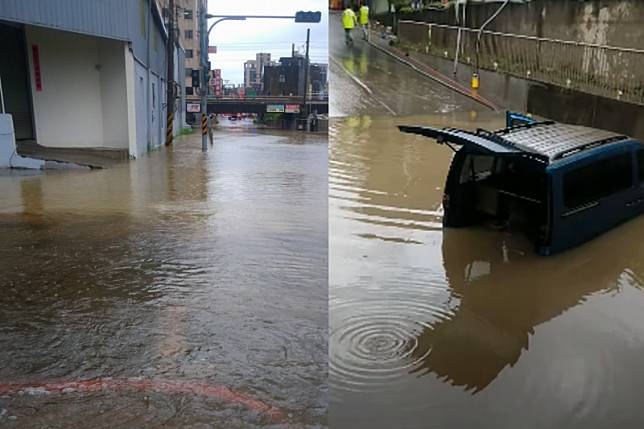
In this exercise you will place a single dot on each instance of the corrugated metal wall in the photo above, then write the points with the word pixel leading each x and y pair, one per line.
pixel 104 18
pixel 126 20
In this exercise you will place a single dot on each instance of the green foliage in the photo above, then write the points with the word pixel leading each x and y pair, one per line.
pixel 273 116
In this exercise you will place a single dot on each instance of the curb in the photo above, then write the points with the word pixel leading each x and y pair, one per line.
pixel 435 75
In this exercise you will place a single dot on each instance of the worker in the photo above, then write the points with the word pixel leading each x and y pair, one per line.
pixel 349 21
pixel 364 20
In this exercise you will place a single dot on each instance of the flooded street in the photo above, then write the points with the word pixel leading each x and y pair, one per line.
pixel 365 80
pixel 179 290
pixel 468 327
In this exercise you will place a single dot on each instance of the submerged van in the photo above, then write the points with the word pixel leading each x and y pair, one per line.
pixel 561 184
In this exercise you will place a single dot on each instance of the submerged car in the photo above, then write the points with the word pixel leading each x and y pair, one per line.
pixel 561 184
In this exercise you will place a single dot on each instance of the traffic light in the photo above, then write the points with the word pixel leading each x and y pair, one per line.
pixel 195 78
pixel 302 16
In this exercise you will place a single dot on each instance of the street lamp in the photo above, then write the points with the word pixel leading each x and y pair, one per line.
pixel 299 16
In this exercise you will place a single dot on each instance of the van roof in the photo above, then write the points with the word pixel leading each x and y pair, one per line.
pixel 548 141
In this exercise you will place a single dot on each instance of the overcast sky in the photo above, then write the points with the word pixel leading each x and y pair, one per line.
pixel 238 41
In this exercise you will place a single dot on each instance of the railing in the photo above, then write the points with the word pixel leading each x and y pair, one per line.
pixel 597 69
pixel 270 98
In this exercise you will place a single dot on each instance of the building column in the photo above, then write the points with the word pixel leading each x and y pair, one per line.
pixel 130 75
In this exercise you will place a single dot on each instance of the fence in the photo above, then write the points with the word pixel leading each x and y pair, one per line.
pixel 597 69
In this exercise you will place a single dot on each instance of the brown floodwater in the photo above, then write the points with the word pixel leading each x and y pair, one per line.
pixel 179 290
pixel 460 328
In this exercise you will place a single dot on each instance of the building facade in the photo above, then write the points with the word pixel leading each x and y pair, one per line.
pixel 254 71
pixel 88 74
pixel 187 13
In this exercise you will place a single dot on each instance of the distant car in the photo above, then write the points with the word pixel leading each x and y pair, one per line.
pixel 562 184
pixel 233 117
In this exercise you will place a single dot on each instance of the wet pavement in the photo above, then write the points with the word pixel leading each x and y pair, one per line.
pixel 179 290
pixel 365 80
pixel 468 327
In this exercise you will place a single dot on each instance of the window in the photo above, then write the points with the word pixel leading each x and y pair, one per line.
pixel 591 182
pixel 187 13
pixel 640 165
pixel 476 167
pixel 188 34
pixel 189 90
pixel 188 72
pixel 188 53
pixel 165 12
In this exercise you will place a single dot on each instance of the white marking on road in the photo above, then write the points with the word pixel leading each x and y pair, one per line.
pixel 363 85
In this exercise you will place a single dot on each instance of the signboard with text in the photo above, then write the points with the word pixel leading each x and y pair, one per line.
pixel 193 108
pixel 275 108
pixel 292 108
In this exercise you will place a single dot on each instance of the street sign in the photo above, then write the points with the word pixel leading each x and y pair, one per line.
pixel 193 108
pixel 302 16
pixel 292 108
pixel 275 108
pixel 212 49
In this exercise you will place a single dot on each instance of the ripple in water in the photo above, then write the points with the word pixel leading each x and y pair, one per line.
pixel 374 342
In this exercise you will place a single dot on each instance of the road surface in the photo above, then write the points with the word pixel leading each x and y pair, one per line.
pixel 367 81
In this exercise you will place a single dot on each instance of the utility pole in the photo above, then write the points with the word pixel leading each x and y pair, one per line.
pixel 306 70
pixel 202 82
pixel 170 77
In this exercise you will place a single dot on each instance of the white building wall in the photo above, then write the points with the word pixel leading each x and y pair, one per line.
pixel 113 94
pixel 68 109
pixel 83 98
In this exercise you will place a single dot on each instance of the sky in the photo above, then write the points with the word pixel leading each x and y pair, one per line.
pixel 239 41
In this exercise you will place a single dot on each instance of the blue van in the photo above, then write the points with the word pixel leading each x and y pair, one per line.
pixel 561 184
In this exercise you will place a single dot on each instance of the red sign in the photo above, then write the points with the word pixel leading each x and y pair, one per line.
pixel 36 57
pixel 292 108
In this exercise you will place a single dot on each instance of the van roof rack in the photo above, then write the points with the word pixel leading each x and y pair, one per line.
pixel 547 141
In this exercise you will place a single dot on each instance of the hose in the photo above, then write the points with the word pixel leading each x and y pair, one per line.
pixel 478 38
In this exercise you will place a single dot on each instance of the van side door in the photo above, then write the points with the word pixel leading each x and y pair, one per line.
pixel 591 194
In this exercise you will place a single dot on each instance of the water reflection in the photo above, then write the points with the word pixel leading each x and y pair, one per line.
pixel 504 292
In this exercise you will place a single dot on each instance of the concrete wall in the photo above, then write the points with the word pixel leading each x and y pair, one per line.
pixel 549 101
pixel 610 22
pixel 83 96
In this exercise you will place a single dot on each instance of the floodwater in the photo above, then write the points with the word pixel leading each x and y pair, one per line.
pixel 179 290
pixel 366 81
pixel 461 328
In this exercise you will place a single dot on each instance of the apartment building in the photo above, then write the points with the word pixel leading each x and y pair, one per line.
pixel 254 71
pixel 187 34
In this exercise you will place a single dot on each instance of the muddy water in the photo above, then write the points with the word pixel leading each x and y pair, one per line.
pixel 180 290
pixel 468 328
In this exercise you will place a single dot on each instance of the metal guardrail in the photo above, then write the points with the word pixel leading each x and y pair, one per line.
pixel 597 69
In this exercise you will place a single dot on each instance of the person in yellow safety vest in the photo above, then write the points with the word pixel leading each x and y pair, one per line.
pixel 349 21
pixel 364 20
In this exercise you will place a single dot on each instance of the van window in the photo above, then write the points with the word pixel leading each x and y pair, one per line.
pixel 640 165
pixel 597 180
pixel 476 167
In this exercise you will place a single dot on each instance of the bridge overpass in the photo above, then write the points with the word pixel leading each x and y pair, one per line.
pixel 263 104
